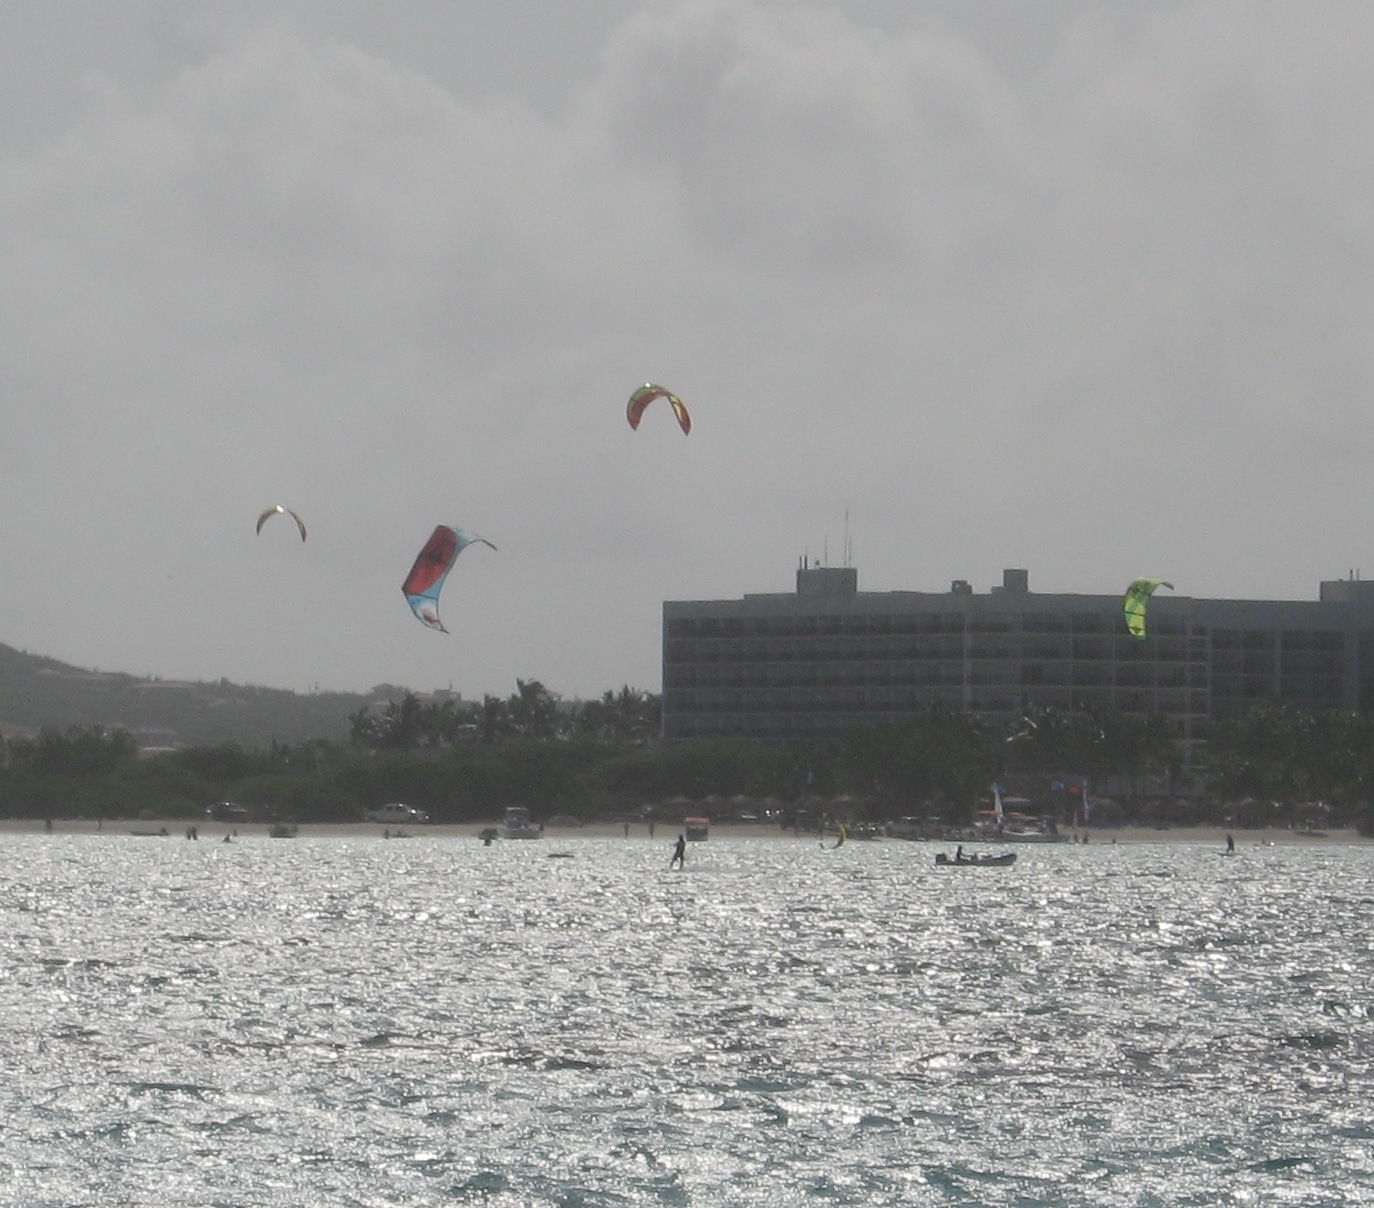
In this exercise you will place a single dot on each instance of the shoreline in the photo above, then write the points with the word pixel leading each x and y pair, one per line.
pixel 665 833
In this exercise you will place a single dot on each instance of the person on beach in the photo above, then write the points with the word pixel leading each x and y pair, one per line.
pixel 679 853
pixel 1230 845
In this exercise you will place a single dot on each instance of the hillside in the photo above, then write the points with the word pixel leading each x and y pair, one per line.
pixel 38 692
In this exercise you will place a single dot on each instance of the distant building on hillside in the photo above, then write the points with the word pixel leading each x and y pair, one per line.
pixel 817 661
pixel 386 696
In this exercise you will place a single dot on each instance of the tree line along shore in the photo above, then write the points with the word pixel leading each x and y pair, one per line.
pixel 662 833
pixel 462 763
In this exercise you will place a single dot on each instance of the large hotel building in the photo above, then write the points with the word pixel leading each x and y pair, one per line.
pixel 826 657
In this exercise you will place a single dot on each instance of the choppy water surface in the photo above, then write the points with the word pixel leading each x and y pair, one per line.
pixel 360 1022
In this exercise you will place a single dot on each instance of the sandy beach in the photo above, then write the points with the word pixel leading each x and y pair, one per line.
pixel 663 832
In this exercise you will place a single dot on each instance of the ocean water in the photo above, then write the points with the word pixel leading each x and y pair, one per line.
pixel 330 1021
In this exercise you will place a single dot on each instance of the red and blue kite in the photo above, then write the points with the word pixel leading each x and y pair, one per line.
pixel 426 578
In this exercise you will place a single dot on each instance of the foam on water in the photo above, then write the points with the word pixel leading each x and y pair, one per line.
pixel 355 1022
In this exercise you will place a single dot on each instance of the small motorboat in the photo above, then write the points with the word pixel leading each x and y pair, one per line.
pixel 959 860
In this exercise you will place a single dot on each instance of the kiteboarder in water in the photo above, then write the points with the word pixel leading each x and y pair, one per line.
pixel 679 853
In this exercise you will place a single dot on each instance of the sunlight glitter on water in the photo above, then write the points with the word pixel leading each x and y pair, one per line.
pixel 347 1021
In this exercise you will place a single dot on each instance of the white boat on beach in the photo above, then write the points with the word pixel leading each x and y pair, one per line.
pixel 1046 834
pixel 517 825
pixel 1018 828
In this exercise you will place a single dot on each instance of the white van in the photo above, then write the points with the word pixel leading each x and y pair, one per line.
pixel 396 812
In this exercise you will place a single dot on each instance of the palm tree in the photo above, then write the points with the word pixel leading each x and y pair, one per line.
pixel 493 718
pixel 533 710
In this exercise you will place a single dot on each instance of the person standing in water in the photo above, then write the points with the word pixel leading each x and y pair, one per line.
pixel 679 853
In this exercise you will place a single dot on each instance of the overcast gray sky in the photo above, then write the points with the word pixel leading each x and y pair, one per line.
pixel 1084 288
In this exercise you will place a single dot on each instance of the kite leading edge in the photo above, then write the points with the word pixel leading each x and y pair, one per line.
pixel 277 510
pixel 646 394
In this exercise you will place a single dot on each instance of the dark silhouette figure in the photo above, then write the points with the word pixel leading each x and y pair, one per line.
pixel 1230 845
pixel 679 853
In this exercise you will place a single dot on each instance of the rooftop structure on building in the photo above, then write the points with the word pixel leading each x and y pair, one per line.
pixel 818 661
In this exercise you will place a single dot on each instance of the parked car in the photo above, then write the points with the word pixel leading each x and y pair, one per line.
pixel 395 812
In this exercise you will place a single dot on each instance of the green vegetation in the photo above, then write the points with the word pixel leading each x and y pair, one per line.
pixel 464 763
pixel 38 692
